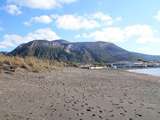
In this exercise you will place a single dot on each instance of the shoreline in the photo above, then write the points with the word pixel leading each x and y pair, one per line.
pixel 145 71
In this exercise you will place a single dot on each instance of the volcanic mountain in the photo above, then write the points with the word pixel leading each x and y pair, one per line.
pixel 81 52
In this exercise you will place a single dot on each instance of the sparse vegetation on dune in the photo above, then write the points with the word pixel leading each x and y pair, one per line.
pixel 11 63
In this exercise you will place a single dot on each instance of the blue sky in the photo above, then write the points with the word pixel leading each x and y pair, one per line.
pixel 133 25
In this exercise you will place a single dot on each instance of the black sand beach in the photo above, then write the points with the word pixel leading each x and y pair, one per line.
pixel 76 94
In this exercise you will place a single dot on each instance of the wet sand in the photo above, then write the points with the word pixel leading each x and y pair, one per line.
pixel 77 94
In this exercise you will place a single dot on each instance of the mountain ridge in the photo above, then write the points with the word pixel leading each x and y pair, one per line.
pixel 81 52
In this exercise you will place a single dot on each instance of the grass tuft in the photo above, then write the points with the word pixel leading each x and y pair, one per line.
pixel 29 63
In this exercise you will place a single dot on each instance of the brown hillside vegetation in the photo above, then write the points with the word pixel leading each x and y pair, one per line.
pixel 11 63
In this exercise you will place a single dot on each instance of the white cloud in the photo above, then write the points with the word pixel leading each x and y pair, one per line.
pixel 107 19
pixel 72 22
pixel 140 33
pixel 9 40
pixel 12 40
pixel 143 33
pixel 75 22
pixel 157 16
pixel 149 50
pixel 110 34
pixel 102 16
pixel 40 4
pixel 13 9
pixel 45 19
pixel 87 21
pixel 119 18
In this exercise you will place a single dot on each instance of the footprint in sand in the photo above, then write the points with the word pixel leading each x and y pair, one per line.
pixel 100 117
pixel 88 110
pixel 100 111
pixel 82 106
pixel 67 109
pixel 122 114
pixel 82 113
pixel 112 115
pixel 139 115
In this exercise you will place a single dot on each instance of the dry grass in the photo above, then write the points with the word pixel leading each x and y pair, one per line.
pixel 29 63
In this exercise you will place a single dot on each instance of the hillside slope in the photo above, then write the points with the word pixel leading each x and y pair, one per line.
pixel 83 52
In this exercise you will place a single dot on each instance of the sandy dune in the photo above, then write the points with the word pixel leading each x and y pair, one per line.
pixel 76 94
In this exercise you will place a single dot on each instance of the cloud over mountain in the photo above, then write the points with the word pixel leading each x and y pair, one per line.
pixel 12 40
pixel 141 33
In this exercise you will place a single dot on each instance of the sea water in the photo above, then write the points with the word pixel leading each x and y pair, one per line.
pixel 149 71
